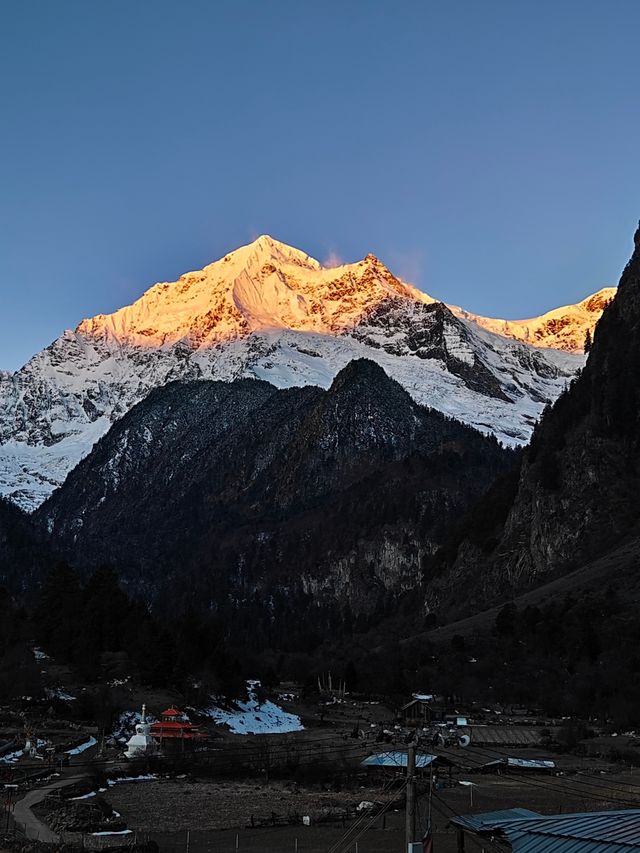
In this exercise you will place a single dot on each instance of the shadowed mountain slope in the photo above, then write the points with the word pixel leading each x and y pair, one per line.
pixel 578 493
pixel 252 501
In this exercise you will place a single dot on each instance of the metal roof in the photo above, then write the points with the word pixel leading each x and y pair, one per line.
pixel 522 763
pixel 615 831
pixel 531 763
pixel 490 821
pixel 397 759
pixel 588 832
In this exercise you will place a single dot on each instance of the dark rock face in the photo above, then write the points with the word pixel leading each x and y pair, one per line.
pixel 272 504
pixel 425 331
pixel 578 493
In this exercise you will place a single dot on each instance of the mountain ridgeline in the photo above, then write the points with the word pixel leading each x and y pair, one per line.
pixel 268 506
pixel 269 311
pixel 577 496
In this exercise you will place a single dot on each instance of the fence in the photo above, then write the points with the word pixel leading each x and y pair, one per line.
pixel 275 838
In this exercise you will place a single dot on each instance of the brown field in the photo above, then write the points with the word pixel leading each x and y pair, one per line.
pixel 217 814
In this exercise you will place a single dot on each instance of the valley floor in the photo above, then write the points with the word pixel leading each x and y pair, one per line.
pixel 166 811
pixel 220 799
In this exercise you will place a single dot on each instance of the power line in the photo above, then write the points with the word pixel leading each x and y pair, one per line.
pixel 370 823
pixel 601 785
pixel 562 784
pixel 277 751
pixel 345 751
pixel 364 817
pixel 488 844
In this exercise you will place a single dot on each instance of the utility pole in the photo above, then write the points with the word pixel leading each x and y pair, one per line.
pixel 410 822
pixel 9 804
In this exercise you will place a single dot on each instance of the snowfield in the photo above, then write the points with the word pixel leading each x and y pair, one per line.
pixel 255 718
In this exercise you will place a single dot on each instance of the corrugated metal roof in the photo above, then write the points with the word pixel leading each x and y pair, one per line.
pixel 615 831
pixel 489 821
pixel 505 735
pixel 396 759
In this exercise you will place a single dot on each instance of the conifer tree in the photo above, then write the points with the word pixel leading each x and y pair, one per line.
pixel 57 611
pixel 587 341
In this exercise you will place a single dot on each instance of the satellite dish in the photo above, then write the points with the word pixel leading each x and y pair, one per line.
pixel 464 740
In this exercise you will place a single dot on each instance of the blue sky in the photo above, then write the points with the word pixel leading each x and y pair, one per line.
pixel 487 150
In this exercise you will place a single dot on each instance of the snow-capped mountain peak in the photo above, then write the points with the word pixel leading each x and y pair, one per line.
pixel 264 285
pixel 270 311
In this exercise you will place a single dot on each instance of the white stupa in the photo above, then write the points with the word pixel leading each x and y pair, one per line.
pixel 141 743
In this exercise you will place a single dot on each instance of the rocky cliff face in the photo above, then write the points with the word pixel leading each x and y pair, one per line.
pixel 229 495
pixel 578 493
pixel 271 312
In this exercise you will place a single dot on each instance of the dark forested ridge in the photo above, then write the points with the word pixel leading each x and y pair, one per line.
pixel 24 549
pixel 265 506
pixel 94 626
pixel 578 492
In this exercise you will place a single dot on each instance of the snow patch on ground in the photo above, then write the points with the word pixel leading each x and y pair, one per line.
pixel 125 726
pixel 144 777
pixel 118 832
pixel 58 693
pixel 255 718
pixel 77 750
pixel 12 757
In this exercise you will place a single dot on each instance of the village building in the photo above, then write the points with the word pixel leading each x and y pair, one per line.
pixel 423 710
pixel 506 763
pixel 524 831
pixel 174 731
pixel 141 743
pixel 386 764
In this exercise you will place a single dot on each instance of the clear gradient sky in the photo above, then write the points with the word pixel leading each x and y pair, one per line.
pixel 487 150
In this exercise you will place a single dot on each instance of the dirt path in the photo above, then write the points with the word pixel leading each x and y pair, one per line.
pixel 33 827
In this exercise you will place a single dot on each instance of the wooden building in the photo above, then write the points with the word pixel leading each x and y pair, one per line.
pixel 423 710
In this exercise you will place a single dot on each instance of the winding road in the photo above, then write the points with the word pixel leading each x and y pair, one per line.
pixel 24 817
